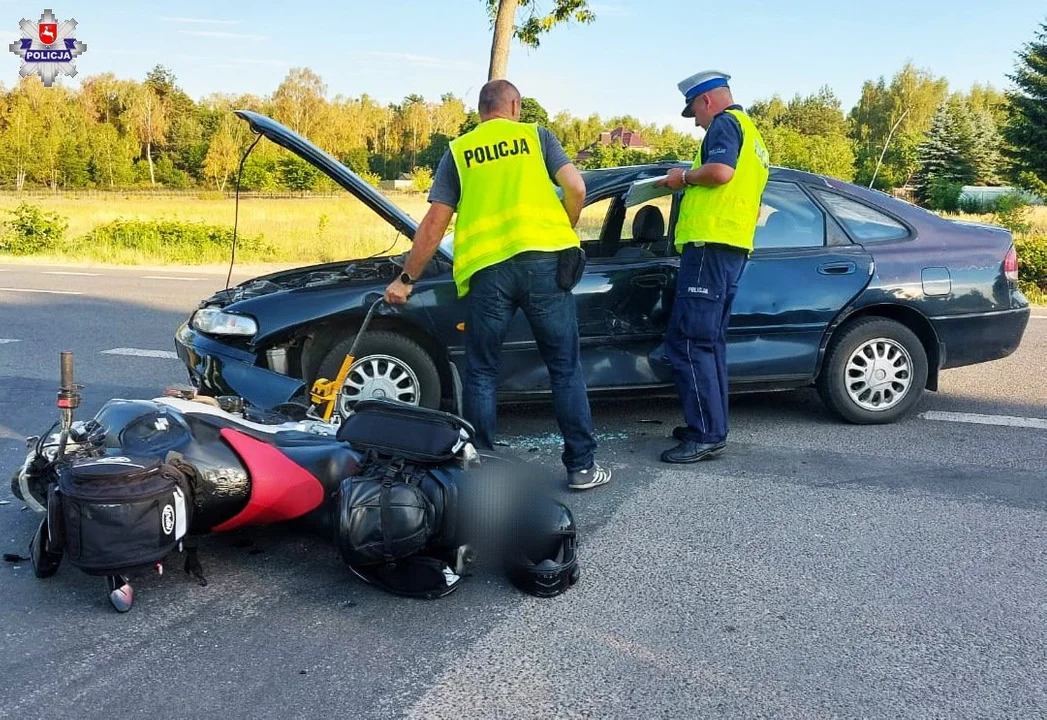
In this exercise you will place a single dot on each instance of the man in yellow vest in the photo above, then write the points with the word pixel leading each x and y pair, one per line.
pixel 511 236
pixel 714 235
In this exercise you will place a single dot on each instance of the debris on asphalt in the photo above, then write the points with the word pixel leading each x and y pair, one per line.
pixel 12 558
pixel 650 422
pixel 5 502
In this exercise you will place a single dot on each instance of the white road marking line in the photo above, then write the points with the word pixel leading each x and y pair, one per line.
pixel 138 352
pixel 167 277
pixel 30 290
pixel 4 341
pixel 67 272
pixel 1006 420
pixel 1040 317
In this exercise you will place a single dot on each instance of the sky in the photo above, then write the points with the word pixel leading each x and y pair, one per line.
pixel 628 62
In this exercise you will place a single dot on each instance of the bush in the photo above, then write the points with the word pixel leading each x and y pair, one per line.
pixel 1032 263
pixel 973 205
pixel 31 230
pixel 1012 211
pixel 171 241
pixel 371 178
pixel 422 178
pixel 944 196
pixel 298 175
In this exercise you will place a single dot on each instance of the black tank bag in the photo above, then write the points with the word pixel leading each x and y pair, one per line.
pixel 396 430
pixel 120 513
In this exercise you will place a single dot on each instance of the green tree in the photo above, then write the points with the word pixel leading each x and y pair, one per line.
pixel 111 157
pixel 1026 129
pixel 946 157
pixel 416 125
pixel 299 100
pixel 890 121
pixel 531 111
pixel 809 133
pixel 148 116
pixel 448 116
pixel 223 155
pixel 989 99
pixel 503 17
pixel 986 148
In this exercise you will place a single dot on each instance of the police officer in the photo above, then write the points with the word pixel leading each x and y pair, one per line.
pixel 509 232
pixel 714 235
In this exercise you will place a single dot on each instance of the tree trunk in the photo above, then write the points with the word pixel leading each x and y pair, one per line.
pixel 149 156
pixel 503 36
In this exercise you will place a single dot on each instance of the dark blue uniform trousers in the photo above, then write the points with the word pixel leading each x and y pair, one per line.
pixel 696 341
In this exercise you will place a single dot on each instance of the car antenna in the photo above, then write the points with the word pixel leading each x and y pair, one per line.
pixel 236 211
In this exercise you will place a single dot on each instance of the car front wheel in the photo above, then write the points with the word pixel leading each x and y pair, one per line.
pixel 874 373
pixel 387 365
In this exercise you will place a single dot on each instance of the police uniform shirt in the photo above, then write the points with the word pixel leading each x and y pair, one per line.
pixel 723 140
pixel 447 186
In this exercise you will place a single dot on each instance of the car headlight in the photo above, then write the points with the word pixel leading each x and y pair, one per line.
pixel 216 322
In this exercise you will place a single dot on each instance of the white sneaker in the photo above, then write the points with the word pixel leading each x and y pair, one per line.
pixel 585 479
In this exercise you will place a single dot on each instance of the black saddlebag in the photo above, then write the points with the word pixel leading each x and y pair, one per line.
pixel 397 430
pixel 395 509
pixel 120 513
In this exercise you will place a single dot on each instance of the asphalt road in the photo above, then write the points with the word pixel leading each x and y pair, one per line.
pixel 815 570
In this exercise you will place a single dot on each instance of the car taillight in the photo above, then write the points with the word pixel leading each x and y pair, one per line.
pixel 1010 265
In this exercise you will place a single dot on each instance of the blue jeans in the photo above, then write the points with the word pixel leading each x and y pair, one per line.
pixel 527 282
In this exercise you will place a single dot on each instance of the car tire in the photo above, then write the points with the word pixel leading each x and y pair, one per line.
pixel 394 365
pixel 875 372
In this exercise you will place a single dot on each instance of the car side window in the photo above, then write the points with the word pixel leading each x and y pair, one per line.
pixel 591 221
pixel 645 228
pixel 861 221
pixel 788 219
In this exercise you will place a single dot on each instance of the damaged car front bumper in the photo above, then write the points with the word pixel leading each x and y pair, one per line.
pixel 216 368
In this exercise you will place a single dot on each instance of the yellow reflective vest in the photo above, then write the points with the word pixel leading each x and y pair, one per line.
pixel 728 213
pixel 508 204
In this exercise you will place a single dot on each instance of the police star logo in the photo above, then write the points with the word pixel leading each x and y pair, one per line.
pixel 47 48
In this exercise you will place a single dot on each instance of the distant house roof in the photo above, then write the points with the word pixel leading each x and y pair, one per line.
pixel 623 136
pixel 619 135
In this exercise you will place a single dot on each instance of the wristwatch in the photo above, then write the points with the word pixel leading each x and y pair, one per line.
pixel 406 279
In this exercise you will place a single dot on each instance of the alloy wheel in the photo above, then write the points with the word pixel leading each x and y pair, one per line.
pixel 378 377
pixel 878 374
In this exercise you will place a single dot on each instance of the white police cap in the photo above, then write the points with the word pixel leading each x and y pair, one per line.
pixel 700 83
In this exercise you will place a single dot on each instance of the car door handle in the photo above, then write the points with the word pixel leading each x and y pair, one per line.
pixel 650 281
pixel 838 268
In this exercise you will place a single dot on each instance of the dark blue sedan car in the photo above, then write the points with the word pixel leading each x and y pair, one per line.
pixel 852 291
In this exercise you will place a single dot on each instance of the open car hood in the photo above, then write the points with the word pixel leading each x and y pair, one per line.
pixel 329 166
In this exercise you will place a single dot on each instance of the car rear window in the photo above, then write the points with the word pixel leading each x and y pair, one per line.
pixel 861 221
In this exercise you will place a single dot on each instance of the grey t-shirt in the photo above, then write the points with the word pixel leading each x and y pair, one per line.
pixel 447 187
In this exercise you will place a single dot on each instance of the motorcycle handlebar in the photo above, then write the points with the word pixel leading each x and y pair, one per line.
pixel 67 370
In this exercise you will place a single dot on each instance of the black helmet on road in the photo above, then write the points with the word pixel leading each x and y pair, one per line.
pixel 542 558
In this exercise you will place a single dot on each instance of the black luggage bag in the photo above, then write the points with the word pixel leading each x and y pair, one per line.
pixel 401 510
pixel 112 514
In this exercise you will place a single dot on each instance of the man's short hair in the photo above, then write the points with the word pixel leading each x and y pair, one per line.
pixel 496 94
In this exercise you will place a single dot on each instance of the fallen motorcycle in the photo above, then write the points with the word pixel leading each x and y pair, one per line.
pixel 146 478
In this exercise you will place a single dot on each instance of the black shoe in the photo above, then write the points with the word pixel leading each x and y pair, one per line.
pixel 689 452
